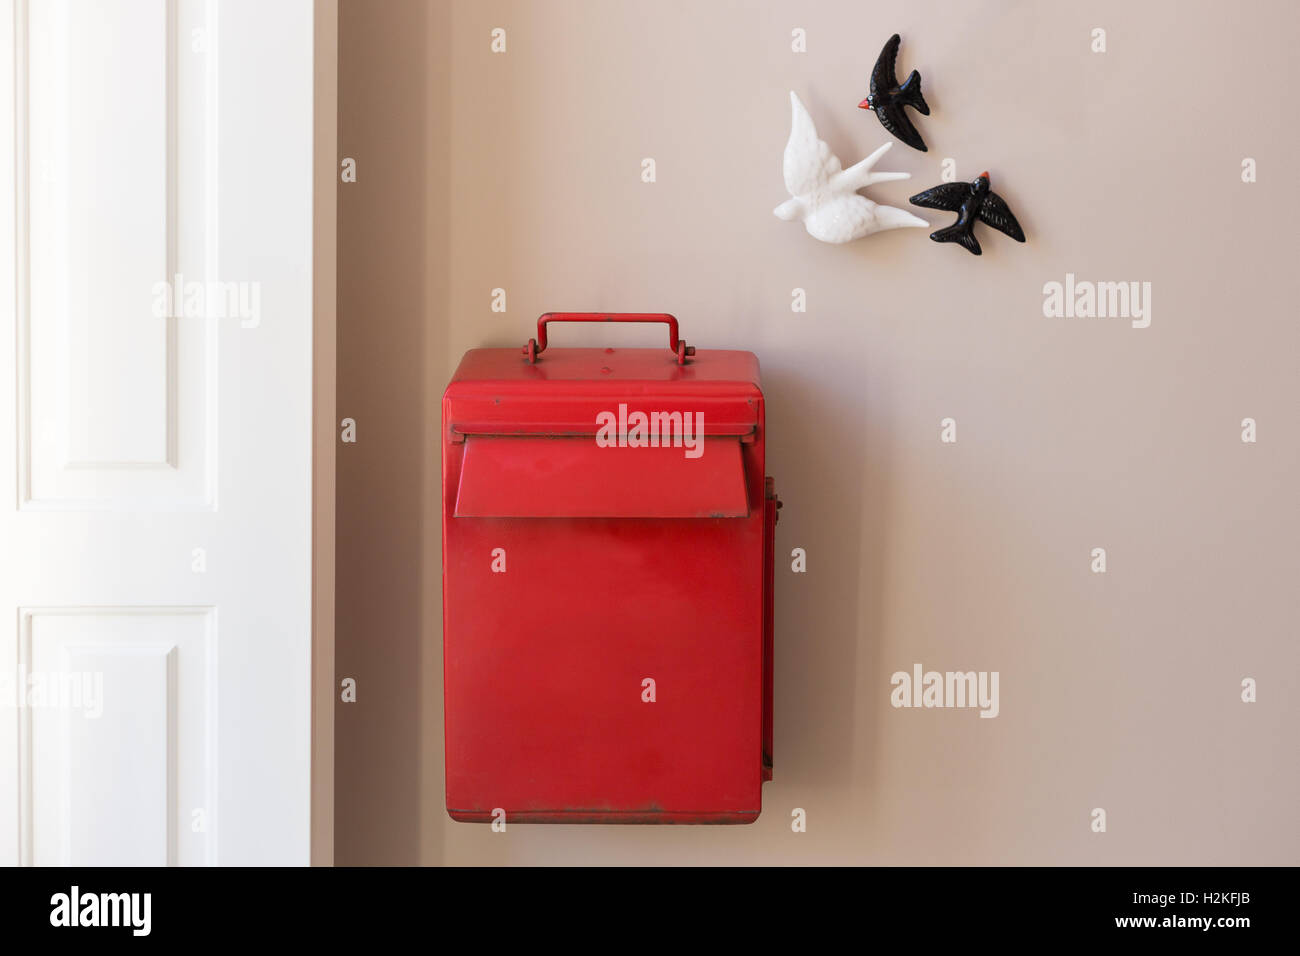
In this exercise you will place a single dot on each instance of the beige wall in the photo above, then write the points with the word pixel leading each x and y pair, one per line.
pixel 1120 690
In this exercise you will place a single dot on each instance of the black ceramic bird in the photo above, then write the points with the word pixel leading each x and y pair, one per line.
pixel 887 98
pixel 970 201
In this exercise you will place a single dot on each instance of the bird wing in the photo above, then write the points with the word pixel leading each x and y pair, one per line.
pixel 947 196
pixel 883 76
pixel 809 162
pixel 995 212
pixel 893 118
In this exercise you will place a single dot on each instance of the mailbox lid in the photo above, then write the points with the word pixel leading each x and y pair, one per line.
pixel 605 365
pixel 497 392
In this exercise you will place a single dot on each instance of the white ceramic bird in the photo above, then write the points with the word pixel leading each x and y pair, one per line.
pixel 825 196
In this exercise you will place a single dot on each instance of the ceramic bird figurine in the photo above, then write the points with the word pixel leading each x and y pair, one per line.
pixel 970 201
pixel 824 196
pixel 887 98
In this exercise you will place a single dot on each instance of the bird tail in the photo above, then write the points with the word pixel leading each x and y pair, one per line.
pixel 958 234
pixel 910 93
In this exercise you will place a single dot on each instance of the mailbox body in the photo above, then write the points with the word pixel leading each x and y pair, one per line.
pixel 575 573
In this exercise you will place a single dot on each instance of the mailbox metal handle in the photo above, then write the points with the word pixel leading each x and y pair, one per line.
pixel 677 346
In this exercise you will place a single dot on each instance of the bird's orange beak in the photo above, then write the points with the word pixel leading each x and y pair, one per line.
pixel 865 104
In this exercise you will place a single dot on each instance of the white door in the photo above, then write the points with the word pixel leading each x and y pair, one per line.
pixel 155 431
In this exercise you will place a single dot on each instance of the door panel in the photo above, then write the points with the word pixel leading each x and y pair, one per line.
pixel 128 699
pixel 114 363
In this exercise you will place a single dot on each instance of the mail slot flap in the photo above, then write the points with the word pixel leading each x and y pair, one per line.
pixel 533 477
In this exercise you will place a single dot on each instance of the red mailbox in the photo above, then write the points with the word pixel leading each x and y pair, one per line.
pixel 607 583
